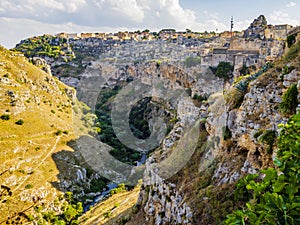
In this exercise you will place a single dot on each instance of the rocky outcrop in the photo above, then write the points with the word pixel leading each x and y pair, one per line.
pixel 42 64
pixel 256 28
pixel 164 203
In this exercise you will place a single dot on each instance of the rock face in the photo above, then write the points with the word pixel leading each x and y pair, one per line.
pixel 234 147
pixel 256 28
pixel 165 203
pixel 41 63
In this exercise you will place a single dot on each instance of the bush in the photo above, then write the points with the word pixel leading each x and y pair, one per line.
pixel 291 39
pixel 289 100
pixel 107 214
pixel 28 186
pixel 19 122
pixel 226 133
pixel 121 188
pixel 58 133
pixel 269 138
pixel 257 134
pixel 293 52
pixel 192 61
pixel 224 70
pixel 5 117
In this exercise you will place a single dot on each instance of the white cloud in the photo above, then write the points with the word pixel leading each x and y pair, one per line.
pixel 212 15
pixel 291 4
pixel 24 28
pixel 279 17
pixel 29 7
pixel 129 8
pixel 33 17
pixel 242 25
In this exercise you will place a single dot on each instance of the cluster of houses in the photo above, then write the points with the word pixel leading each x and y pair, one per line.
pixel 256 45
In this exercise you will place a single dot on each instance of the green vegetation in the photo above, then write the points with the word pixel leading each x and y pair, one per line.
pixel 121 188
pixel 200 98
pixel 269 137
pixel 289 100
pixel 137 122
pixel 28 186
pixel 192 61
pixel 19 122
pixel 5 117
pixel 257 134
pixel 246 70
pixel 235 95
pixel 224 70
pixel 107 214
pixel 45 45
pixel 226 133
pixel 107 134
pixel 58 133
pixel 138 125
pixel 71 211
pixel 291 39
pixel 293 53
pixel 98 185
pixel 276 198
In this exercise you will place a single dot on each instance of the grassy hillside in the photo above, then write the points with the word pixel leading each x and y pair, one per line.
pixel 36 121
pixel 115 210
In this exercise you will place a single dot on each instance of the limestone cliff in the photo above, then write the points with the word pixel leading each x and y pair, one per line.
pixel 235 145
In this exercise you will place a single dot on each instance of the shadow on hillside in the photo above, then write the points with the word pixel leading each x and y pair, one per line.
pixel 82 169
pixel 78 176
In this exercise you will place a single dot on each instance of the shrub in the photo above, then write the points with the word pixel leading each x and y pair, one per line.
pixel 293 52
pixel 289 100
pixel 224 70
pixel 107 214
pixel 291 39
pixel 192 61
pixel 5 117
pixel 121 188
pixel 226 133
pixel 257 134
pixel 269 138
pixel 58 133
pixel 28 186
pixel 19 122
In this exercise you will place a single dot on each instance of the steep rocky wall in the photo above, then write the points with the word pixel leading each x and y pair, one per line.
pixel 233 149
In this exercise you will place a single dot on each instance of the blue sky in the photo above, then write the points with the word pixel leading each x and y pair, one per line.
pixel 20 19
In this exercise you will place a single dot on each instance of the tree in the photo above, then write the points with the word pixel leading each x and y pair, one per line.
pixel 224 69
pixel 289 100
pixel 291 39
pixel 276 198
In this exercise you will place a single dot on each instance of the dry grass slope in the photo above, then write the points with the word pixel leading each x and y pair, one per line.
pixel 41 102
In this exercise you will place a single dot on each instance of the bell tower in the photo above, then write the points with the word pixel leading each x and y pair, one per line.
pixel 231 26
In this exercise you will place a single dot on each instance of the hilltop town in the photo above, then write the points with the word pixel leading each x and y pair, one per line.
pixel 258 44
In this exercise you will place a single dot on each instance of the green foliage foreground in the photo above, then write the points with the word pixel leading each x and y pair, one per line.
pixel 276 198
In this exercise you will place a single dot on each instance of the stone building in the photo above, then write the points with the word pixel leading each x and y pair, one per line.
pixel 278 31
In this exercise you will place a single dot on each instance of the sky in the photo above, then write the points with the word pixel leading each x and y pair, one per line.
pixel 20 19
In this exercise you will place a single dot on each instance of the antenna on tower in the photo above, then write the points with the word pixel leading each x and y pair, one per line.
pixel 231 25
